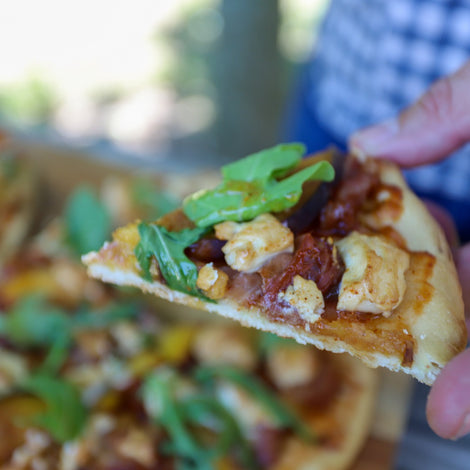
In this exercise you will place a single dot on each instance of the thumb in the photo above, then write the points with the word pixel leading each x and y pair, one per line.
pixel 448 407
pixel 428 131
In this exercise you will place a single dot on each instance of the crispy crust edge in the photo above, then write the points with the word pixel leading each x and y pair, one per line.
pixel 439 331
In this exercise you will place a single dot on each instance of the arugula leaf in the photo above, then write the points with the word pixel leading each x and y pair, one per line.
pixel 65 414
pixel 254 387
pixel 180 414
pixel 56 356
pixel 269 163
pixel 91 319
pixel 168 248
pixel 33 322
pixel 87 221
pixel 156 203
pixel 158 392
pixel 242 200
pixel 250 188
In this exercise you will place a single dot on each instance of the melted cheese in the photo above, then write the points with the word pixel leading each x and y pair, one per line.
pixel 305 297
pixel 374 280
pixel 251 244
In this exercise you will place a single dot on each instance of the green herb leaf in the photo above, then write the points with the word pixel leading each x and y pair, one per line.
pixel 181 415
pixel 158 392
pixel 255 388
pixel 256 189
pixel 155 203
pixel 168 248
pixel 203 409
pixel 33 322
pixel 101 318
pixel 270 163
pixel 87 221
pixel 56 356
pixel 65 415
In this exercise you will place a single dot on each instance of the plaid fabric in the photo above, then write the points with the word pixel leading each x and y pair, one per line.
pixel 374 57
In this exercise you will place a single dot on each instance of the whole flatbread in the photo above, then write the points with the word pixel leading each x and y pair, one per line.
pixel 352 413
pixel 430 317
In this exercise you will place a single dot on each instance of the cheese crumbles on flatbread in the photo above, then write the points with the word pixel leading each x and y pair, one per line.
pixel 349 261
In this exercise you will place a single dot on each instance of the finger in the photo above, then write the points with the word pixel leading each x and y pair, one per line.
pixel 429 130
pixel 448 406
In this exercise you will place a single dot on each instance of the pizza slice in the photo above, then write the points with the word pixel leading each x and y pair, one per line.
pixel 334 252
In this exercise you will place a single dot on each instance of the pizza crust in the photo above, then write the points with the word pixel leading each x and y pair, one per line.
pixel 436 323
pixel 439 329
pixel 353 409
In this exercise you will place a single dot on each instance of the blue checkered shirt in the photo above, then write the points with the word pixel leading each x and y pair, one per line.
pixel 374 57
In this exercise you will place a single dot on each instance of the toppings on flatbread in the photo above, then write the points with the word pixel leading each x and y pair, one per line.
pixel 114 393
pixel 374 279
pixel 323 250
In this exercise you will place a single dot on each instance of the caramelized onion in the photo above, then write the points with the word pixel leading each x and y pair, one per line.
pixel 206 250
pixel 315 260
pixel 315 194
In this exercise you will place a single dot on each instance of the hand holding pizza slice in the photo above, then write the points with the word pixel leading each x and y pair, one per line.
pixel 338 254
pixel 437 125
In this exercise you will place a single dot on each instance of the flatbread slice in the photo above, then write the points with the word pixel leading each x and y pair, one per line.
pixel 316 414
pixel 364 269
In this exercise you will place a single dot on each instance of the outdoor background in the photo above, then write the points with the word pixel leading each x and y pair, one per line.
pixel 186 81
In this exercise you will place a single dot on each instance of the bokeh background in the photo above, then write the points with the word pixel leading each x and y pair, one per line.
pixel 180 82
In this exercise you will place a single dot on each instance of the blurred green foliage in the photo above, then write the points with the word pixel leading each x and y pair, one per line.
pixel 31 101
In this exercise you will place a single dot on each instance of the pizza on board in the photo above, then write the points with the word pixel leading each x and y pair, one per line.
pixel 169 401
pixel 334 252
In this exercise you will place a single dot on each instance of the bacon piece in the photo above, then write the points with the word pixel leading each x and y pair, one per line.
pixel 275 267
pixel 339 216
pixel 315 259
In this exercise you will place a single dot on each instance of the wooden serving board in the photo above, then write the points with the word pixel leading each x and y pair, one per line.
pixel 61 170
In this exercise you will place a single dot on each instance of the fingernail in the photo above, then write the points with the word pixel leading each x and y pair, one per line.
pixel 464 428
pixel 371 140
